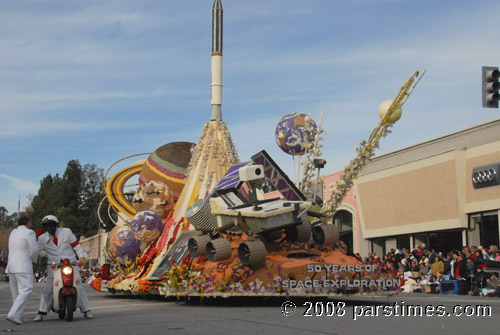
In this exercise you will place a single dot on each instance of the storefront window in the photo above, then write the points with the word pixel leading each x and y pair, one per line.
pixel 390 243
pixel 446 241
pixel 420 239
pixel 403 242
pixel 489 229
pixel 378 247
pixel 343 220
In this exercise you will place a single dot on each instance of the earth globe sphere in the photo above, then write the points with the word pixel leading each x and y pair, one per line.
pixel 291 135
pixel 146 226
pixel 122 244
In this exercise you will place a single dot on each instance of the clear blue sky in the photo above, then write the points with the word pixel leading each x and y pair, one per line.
pixel 100 80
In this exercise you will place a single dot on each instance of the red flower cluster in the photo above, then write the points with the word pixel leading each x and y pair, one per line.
pixel 148 256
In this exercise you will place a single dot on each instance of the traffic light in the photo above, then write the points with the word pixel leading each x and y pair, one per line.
pixel 490 86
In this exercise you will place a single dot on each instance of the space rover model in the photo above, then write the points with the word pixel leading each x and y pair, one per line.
pixel 237 205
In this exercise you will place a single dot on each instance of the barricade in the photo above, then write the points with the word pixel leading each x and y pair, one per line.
pixel 448 287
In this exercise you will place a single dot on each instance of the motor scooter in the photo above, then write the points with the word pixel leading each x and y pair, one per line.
pixel 67 288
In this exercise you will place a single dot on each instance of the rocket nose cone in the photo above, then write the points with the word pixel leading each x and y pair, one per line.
pixel 217 4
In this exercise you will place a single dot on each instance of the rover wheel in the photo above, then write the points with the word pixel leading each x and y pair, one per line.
pixel 325 234
pixel 252 253
pixel 299 233
pixel 197 245
pixel 218 250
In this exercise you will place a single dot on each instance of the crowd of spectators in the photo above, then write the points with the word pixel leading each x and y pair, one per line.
pixel 423 265
pixel 92 272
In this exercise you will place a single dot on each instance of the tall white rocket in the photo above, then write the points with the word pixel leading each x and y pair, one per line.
pixel 216 84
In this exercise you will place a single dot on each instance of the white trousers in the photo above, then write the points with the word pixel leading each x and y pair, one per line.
pixel 48 295
pixel 21 285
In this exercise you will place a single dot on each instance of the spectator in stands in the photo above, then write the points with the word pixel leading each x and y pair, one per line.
pixel 447 263
pixel 385 263
pixel 370 258
pixel 479 281
pixel 398 256
pixel 497 257
pixel 478 255
pixel 492 251
pixel 460 273
pixel 431 254
pixel 473 254
pixel 420 252
pixel 406 263
pixel 471 268
pixel 392 271
pixel 423 269
pixel 437 268
pixel 401 267
pixel 453 263
pixel 414 267
pixel 494 281
pixel 484 254
pixel 424 260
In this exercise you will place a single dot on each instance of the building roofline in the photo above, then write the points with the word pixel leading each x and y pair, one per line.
pixel 458 133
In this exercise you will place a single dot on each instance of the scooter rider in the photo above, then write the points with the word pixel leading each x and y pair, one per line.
pixel 58 243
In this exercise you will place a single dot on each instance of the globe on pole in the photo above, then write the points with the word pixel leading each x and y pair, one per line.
pixel 291 134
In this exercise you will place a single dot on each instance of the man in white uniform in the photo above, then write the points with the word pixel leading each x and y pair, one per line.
pixel 58 243
pixel 23 251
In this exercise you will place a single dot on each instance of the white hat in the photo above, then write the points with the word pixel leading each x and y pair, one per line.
pixel 50 218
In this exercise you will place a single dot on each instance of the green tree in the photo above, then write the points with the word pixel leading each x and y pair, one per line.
pixel 92 195
pixel 7 220
pixel 48 199
pixel 74 198
pixel 69 211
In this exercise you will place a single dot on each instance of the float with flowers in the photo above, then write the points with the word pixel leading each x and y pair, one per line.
pixel 203 223
pixel 200 222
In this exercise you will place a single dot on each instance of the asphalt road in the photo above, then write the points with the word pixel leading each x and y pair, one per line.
pixel 118 314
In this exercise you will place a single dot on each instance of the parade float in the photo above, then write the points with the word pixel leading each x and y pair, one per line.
pixel 203 223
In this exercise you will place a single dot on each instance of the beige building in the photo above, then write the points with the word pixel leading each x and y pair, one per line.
pixel 425 193
pixel 94 248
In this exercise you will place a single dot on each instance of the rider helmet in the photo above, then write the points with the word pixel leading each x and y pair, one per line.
pixel 49 218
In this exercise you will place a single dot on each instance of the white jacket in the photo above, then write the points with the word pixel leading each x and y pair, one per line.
pixel 67 246
pixel 23 250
